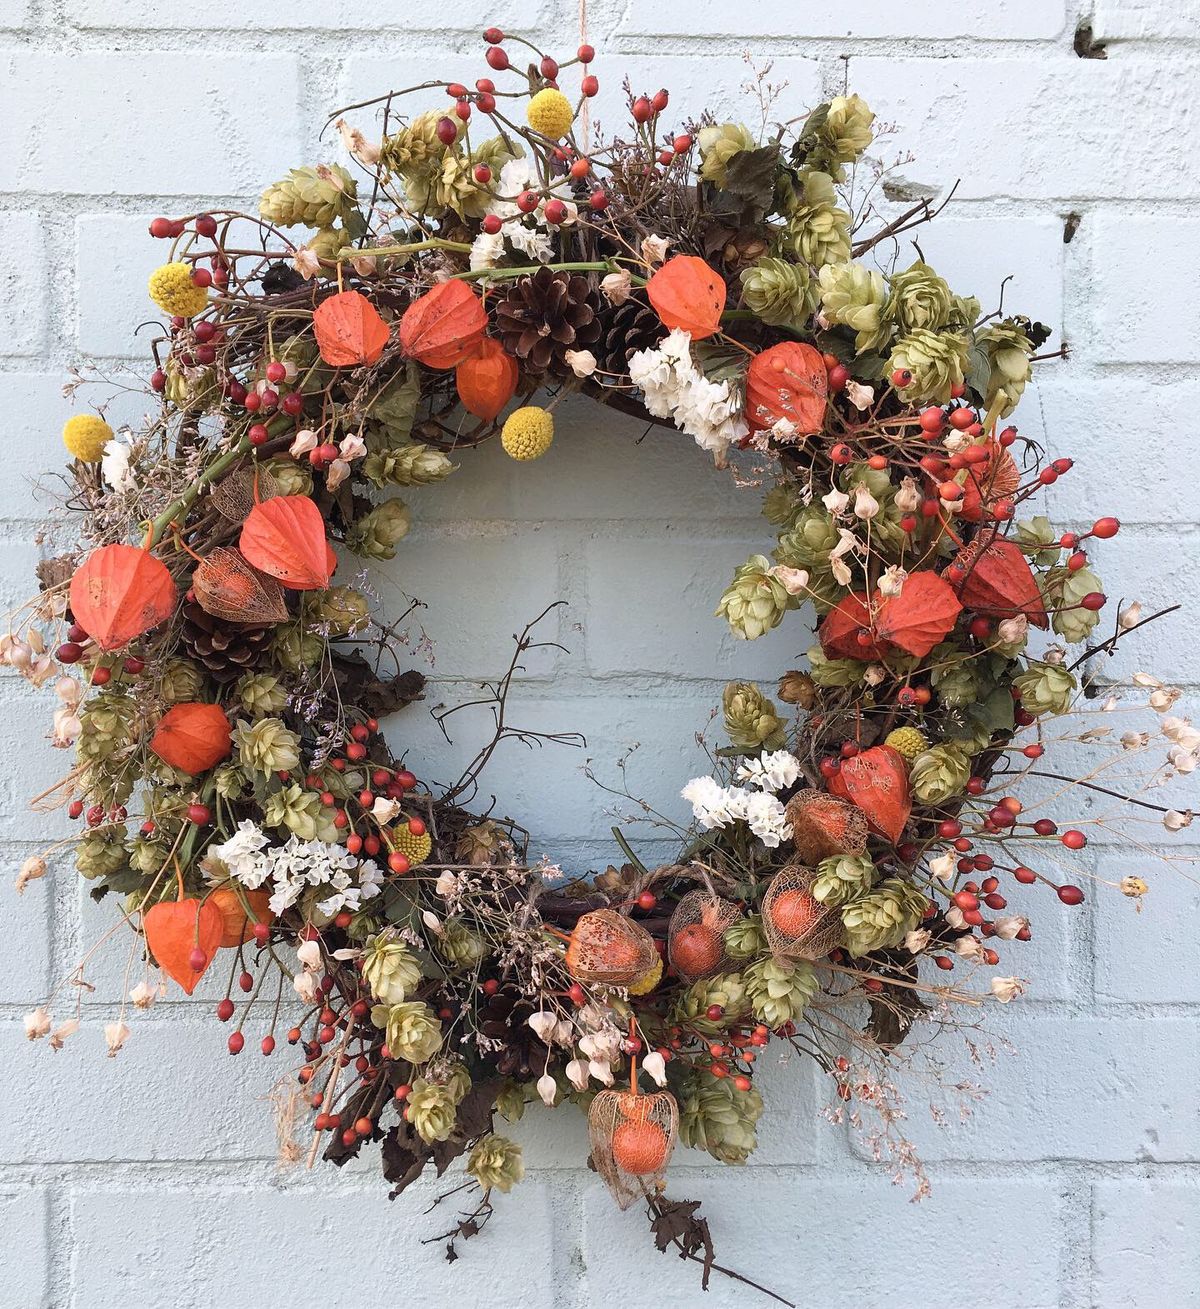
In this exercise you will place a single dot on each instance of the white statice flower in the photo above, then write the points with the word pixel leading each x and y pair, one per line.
pixel 309 954
pixel 1181 732
pixel 487 250
pixel 771 771
pixel 767 819
pixel 58 1037
pixel 543 1025
pixel 1013 630
pixel 874 674
pixel 305 986
pixel 848 544
pixel 1183 761
pixel 366 152
pixel 116 465
pixel 242 854
pixel 525 233
pixel 784 432
pixel 673 387
pixel 446 884
pixel 709 801
pixel 32 869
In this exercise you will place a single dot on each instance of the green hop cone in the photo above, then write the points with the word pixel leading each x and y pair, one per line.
pixel 919 299
pixel 310 197
pixel 846 131
pixel 101 853
pixel 818 231
pixel 725 991
pixel 781 505
pixel 376 534
pixel 411 1029
pixel 230 781
pixel 745 939
pixel 939 773
pixel 855 296
pixel 180 680
pixel 410 464
pixel 779 989
pixel 780 293
pixel 834 672
pixel 106 723
pixel 936 360
pixel 341 609
pixel 148 857
pixel 290 477
pixel 510 1101
pixel 882 919
pixel 1038 531
pixel 750 718
pixel 300 812
pixel 459 946
pixel 496 1163
pixel 431 1110
pixel 455 1077
pixel 415 146
pixel 1066 589
pixel 955 679
pixel 260 694
pixel 807 542
pixel 266 746
pixel 755 601
pixel 390 969
pixel 715 1116
pixel 1046 689
pixel 718 145
pixel 1009 352
pixel 294 649
pixel 841 878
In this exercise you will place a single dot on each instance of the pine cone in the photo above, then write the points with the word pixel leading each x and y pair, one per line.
pixel 627 328
pixel 504 1018
pixel 226 650
pixel 546 314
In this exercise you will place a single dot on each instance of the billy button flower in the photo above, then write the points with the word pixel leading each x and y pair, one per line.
pixel 550 113
pixel 527 432
pixel 174 291
pixel 411 844
pixel 85 436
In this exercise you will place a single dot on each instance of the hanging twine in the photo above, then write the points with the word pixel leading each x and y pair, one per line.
pixel 585 117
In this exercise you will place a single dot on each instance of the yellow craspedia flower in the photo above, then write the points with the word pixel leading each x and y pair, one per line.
pixel 648 980
pixel 550 113
pixel 416 847
pixel 172 289
pixel 527 432
pixel 907 741
pixel 85 436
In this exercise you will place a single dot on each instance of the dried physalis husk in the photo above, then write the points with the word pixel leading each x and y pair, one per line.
pixel 796 924
pixel 824 825
pixel 609 949
pixel 696 937
pixel 227 587
pixel 234 496
pixel 632 1137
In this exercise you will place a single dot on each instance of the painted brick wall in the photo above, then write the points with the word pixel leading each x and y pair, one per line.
pixel 150 1179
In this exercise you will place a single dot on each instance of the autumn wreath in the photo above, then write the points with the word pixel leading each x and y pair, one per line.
pixel 457 279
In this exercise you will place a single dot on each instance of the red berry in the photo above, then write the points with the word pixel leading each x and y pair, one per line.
pixel 200 814
pixel 493 35
pixel 577 994
pixel 901 377
pixel 580 169
pixel 447 130
pixel 491 224
pixel 399 862
pixel 160 228
pixel 483 175
pixel 486 102
pixel 268 1045
pixel 225 1009
pixel 497 59
pixel 585 54
pixel 555 211
pixel 206 225
pixel 961 418
pixel 590 86
pixel 202 277
pixel 838 377
pixel 642 110
pixel 841 454
pixel 660 100
pixel 258 434
pixel 944 962
pixel 682 144
pixel 416 826
pixel 1094 600
pixel 598 200
pixel 276 372
pixel 548 67
pixel 237 1043
pixel 462 110
pixel 714 1013
pixel 932 421
pixel 527 201
pixel 949 828
pixel 647 900
pixel 1026 876
pixel 1106 527
pixel 69 653
pixel 1073 839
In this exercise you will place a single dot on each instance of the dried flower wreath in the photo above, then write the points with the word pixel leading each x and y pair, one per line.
pixel 235 790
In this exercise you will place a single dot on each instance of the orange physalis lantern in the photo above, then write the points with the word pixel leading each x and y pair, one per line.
pixel 226 586
pixel 696 936
pixel 183 936
pixel 796 924
pixel 999 582
pixel 632 1136
pixel 119 592
pixel 877 781
pixel 787 382
pixel 921 615
pixel 486 381
pixel 285 538
pixel 610 949
pixel 349 330
pixel 848 630
pixel 823 825
pixel 192 737
pixel 689 295
pixel 239 911
pixel 443 327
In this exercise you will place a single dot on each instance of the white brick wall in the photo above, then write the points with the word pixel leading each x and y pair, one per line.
pixel 147 1180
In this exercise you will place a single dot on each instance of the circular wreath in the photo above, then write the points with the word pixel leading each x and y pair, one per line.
pixel 223 692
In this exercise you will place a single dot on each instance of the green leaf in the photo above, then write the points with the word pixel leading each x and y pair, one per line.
pixel 395 408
